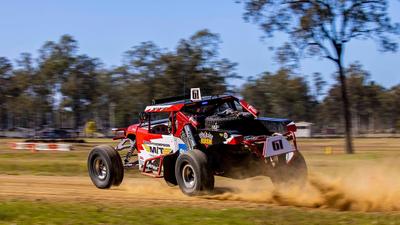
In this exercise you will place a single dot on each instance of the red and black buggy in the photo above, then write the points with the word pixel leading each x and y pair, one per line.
pixel 188 141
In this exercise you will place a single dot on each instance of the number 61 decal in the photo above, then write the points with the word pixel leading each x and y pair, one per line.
pixel 277 145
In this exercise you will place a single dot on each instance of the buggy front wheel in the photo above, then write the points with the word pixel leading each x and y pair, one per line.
pixel 105 167
pixel 193 173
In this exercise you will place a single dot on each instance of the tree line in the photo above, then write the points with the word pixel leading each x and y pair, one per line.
pixel 62 88
pixel 324 28
pixel 375 109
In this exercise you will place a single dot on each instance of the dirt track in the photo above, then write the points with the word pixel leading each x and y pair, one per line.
pixel 367 181
pixel 132 190
pixel 373 186
pixel 358 192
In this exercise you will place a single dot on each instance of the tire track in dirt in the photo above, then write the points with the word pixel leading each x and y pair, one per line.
pixel 374 187
pixel 143 191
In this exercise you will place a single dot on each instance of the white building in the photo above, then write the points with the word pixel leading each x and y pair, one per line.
pixel 303 129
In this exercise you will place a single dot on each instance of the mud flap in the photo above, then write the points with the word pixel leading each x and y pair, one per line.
pixel 169 169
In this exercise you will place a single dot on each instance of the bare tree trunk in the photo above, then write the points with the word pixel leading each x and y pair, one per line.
pixel 77 113
pixel 345 101
pixel 111 115
pixel 3 116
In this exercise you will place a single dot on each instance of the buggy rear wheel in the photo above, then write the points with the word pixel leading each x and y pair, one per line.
pixel 105 167
pixel 292 172
pixel 193 173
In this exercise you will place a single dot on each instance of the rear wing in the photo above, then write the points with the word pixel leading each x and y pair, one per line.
pixel 170 99
pixel 195 95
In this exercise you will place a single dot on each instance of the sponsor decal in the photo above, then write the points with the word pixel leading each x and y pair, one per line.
pixel 215 127
pixel 206 138
pixel 157 108
pixel 182 147
pixel 157 148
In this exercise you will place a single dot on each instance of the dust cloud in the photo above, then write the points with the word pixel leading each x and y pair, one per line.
pixel 152 188
pixel 366 188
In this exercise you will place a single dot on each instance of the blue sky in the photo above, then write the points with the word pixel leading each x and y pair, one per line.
pixel 105 29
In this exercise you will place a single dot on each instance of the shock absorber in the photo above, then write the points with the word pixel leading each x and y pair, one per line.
pixel 131 149
pixel 190 139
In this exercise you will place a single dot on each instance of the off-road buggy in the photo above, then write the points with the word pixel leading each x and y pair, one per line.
pixel 188 141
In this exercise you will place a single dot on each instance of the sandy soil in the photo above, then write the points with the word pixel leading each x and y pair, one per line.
pixel 365 189
pixel 367 181
pixel 143 191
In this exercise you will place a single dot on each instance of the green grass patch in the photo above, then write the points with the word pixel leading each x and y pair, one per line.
pixel 24 212
pixel 44 163
pixel 368 150
pixel 26 155
pixel 44 168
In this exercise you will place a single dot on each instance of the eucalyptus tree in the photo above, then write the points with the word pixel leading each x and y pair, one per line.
pixel 5 73
pixel 324 28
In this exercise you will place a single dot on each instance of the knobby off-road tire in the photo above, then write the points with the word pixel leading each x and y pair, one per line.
pixel 193 173
pixel 292 173
pixel 105 167
pixel 230 121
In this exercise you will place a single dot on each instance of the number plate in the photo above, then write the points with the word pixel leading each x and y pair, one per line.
pixel 277 145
